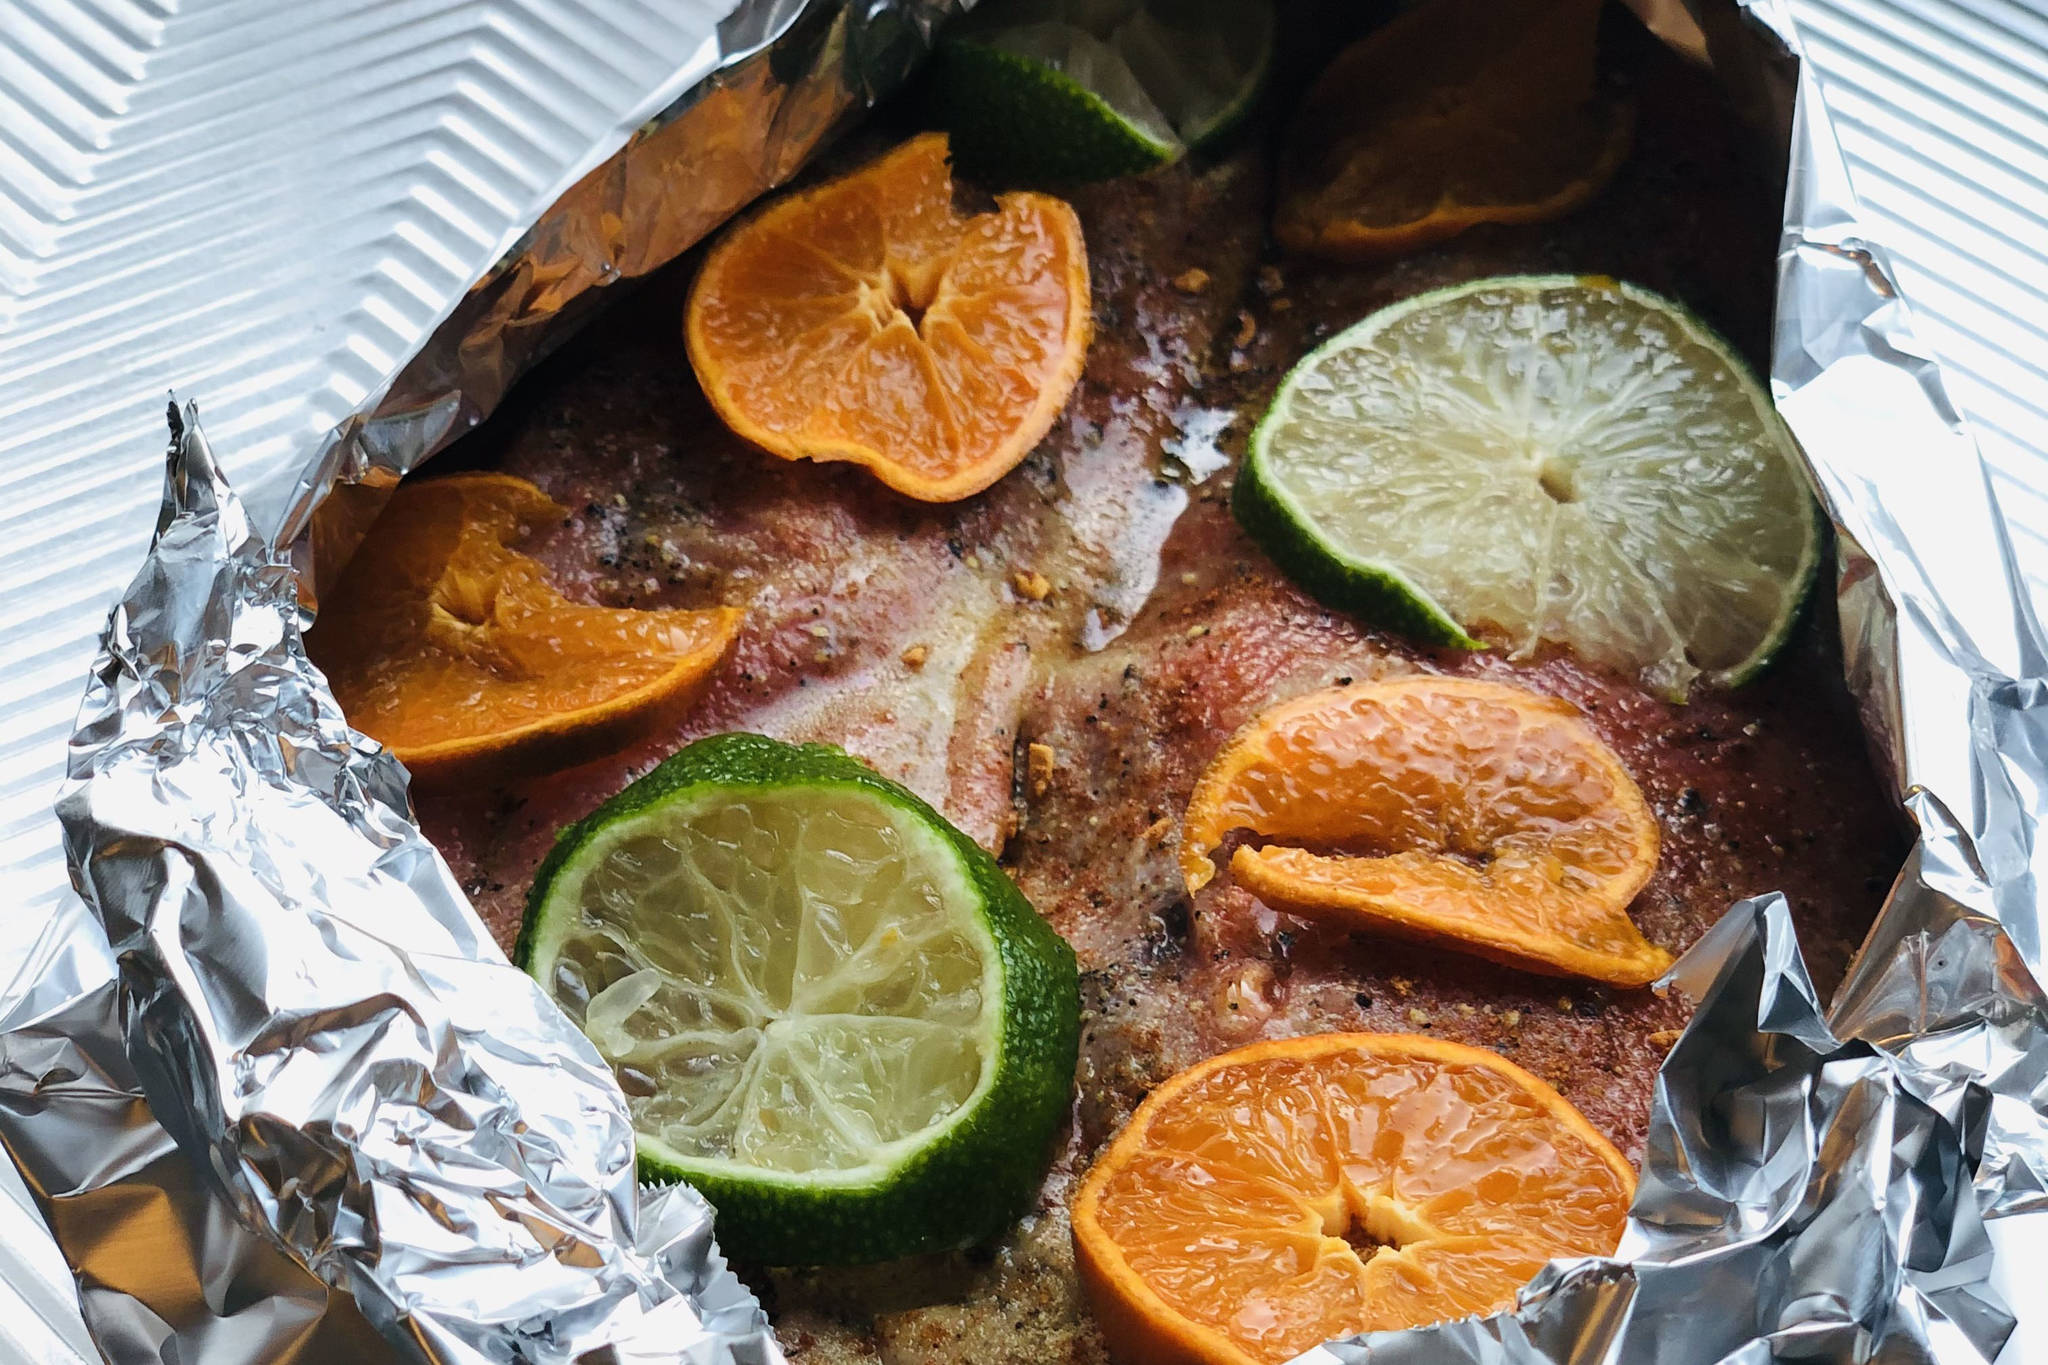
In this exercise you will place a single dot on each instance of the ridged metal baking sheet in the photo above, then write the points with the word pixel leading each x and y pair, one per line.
pixel 149 156
pixel 1941 107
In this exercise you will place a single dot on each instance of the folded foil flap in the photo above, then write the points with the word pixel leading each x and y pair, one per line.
pixel 369 238
pixel 317 1014
pixel 1823 1184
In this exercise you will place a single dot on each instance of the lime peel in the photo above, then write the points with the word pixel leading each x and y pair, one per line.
pixel 1374 589
pixel 1095 89
pixel 1546 459
pixel 852 1033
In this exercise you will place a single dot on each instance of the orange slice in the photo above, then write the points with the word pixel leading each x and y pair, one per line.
pixel 869 320
pixel 1457 113
pixel 1290 1192
pixel 1470 814
pixel 456 652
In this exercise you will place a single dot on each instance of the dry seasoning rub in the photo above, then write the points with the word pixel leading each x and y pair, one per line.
pixel 1215 636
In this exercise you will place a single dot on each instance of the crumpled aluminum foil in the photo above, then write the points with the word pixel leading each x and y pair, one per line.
pixel 1821 1183
pixel 318 1016
pixel 1829 1184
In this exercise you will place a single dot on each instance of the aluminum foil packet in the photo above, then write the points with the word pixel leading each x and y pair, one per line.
pixel 277 1094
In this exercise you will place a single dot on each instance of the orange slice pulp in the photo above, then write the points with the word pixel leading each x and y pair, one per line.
pixel 1458 112
pixel 456 652
pixel 1291 1192
pixel 1467 813
pixel 870 320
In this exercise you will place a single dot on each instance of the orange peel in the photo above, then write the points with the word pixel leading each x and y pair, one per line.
pixel 1457 811
pixel 869 320
pixel 1456 113
pixel 1289 1192
pixel 455 651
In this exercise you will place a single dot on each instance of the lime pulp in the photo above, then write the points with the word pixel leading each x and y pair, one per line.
pixel 828 1009
pixel 1541 459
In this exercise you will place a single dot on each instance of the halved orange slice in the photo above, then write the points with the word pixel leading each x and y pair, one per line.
pixel 1290 1192
pixel 1466 813
pixel 456 652
pixel 870 320
pixel 1458 112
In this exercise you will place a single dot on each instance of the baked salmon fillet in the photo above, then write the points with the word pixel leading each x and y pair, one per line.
pixel 1052 663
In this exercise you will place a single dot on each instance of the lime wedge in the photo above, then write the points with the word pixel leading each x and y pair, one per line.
pixel 1532 459
pixel 829 1010
pixel 1092 89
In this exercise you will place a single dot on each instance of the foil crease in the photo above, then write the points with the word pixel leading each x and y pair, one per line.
pixel 317 1015
pixel 1833 1183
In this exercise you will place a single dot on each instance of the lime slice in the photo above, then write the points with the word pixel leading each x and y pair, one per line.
pixel 829 1010
pixel 1535 459
pixel 1092 89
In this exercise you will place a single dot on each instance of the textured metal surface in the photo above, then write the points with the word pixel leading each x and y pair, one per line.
pixel 270 205
pixel 1941 108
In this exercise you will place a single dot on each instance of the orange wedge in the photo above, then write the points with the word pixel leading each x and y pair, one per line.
pixel 1457 113
pixel 1469 814
pixel 870 320
pixel 1290 1192
pixel 456 652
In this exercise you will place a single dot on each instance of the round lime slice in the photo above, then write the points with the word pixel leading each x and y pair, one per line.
pixel 1092 89
pixel 1541 459
pixel 829 1010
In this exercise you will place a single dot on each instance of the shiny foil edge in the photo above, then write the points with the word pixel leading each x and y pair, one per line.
pixel 1828 1183
pixel 164 1250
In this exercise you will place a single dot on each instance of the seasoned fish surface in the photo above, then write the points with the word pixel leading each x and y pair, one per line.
pixel 1053 662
